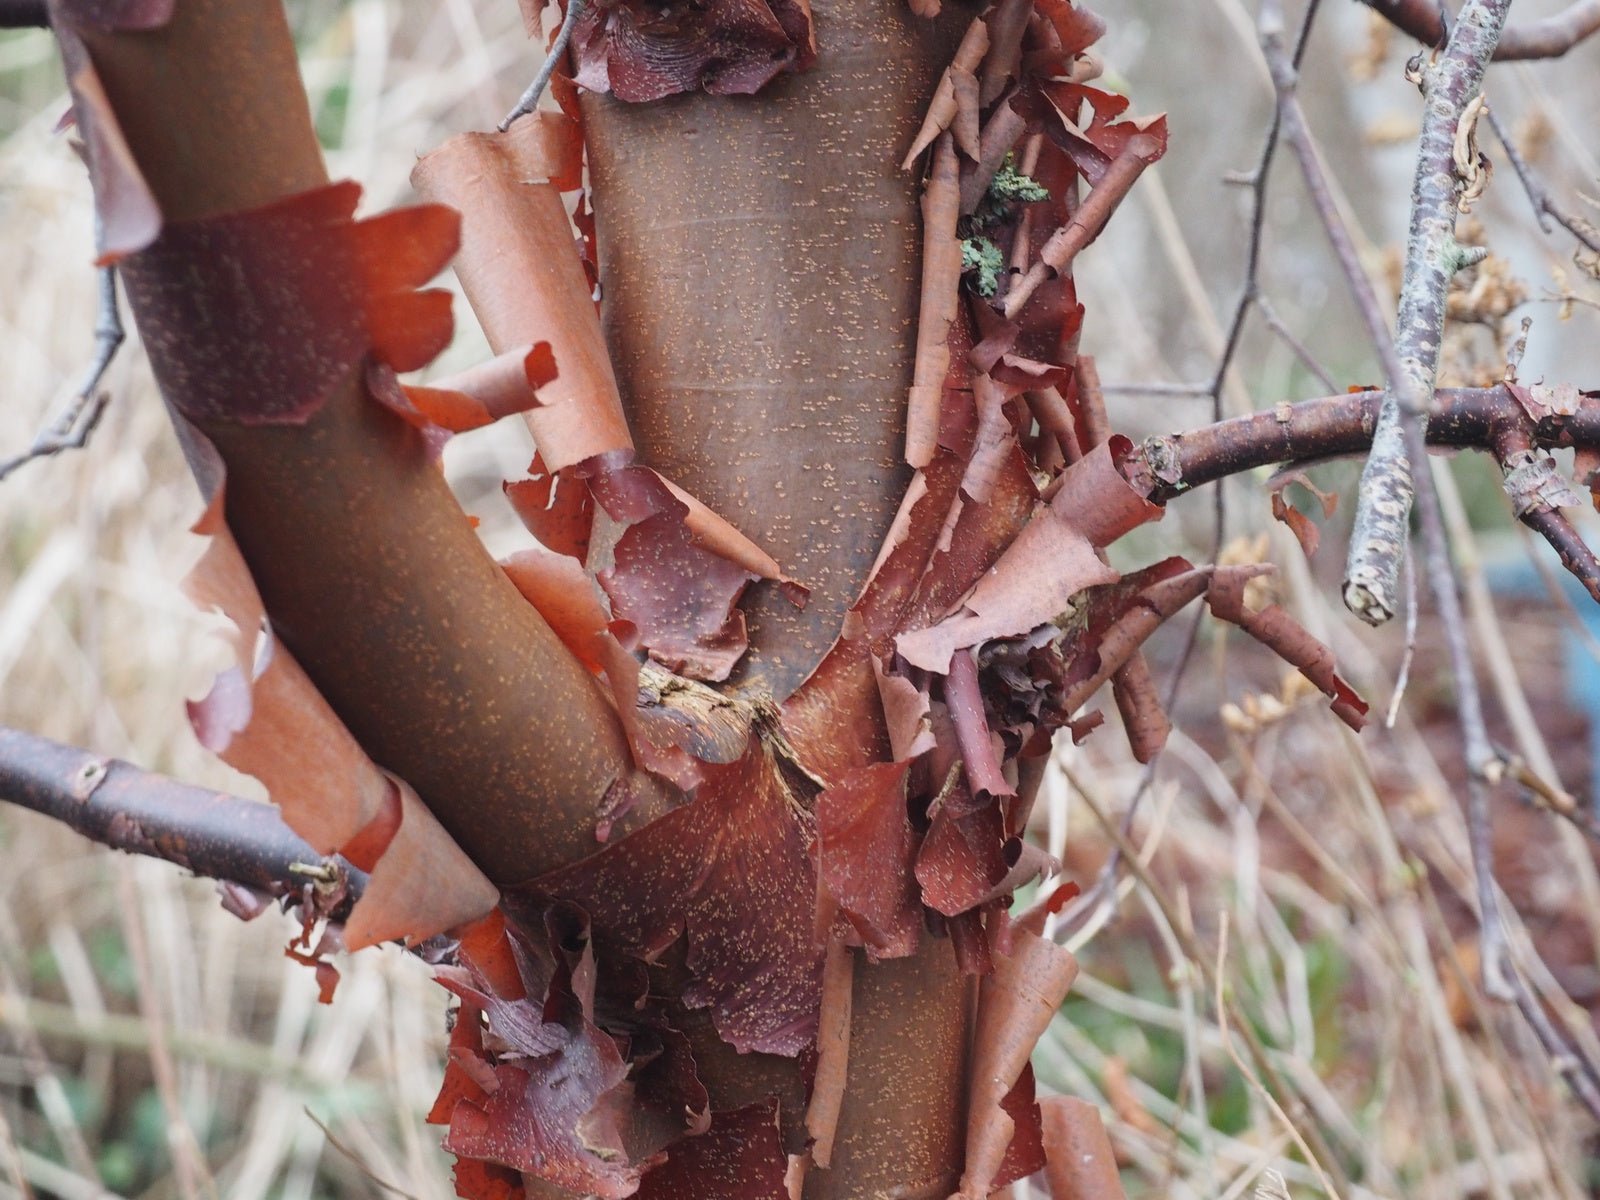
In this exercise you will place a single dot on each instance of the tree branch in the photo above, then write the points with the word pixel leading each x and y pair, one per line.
pixel 1545 208
pixel 127 808
pixel 1330 426
pixel 1548 38
pixel 1451 90
pixel 444 674
pixel 71 430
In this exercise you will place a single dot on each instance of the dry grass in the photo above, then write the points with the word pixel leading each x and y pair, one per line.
pixel 150 1043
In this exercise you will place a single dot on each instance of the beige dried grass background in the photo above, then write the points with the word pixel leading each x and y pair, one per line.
pixel 1334 863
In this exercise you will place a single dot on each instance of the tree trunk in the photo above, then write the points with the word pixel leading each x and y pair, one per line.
pixel 760 260
pixel 761 270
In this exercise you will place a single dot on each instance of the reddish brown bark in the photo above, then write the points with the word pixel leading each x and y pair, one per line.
pixel 371 574
pixel 772 384
pixel 440 669
pixel 1549 37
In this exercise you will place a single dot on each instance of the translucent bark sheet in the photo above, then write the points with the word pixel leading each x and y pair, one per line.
pixel 732 872
pixel 265 717
pixel 640 51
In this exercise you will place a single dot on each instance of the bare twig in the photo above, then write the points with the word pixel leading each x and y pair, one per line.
pixel 1156 389
pixel 71 430
pixel 1542 793
pixel 1568 1058
pixel 552 59
pixel 1298 134
pixel 1574 553
pixel 1450 87
pixel 119 805
pixel 1256 180
pixel 1403 676
pixel 1545 208
pixel 1571 618
pixel 1298 348
pixel 376 1180
pixel 1549 38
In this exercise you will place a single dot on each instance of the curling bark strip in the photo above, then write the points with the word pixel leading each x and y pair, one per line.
pixel 1433 256
pixel 670 1038
pixel 211 110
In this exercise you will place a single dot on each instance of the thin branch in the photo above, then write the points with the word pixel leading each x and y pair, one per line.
pixel 1332 426
pixel 1568 1058
pixel 122 806
pixel 1542 793
pixel 1544 207
pixel 1298 348
pixel 558 49
pixel 1548 38
pixel 1297 132
pixel 1157 389
pixel 71 430
pixel 1451 88
pixel 1256 180
pixel 1403 677
pixel 1569 546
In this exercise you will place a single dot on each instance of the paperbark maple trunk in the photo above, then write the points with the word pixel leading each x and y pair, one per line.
pixel 372 576
pixel 760 259
pixel 766 369
pixel 761 271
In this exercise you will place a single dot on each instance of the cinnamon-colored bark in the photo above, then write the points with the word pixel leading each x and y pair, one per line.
pixel 904 1114
pixel 761 266
pixel 761 272
pixel 371 574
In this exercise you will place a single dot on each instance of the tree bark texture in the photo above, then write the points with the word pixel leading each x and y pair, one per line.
pixel 761 276
pixel 372 576
pixel 760 265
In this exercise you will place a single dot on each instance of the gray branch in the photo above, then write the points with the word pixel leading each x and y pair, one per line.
pixel 1433 256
